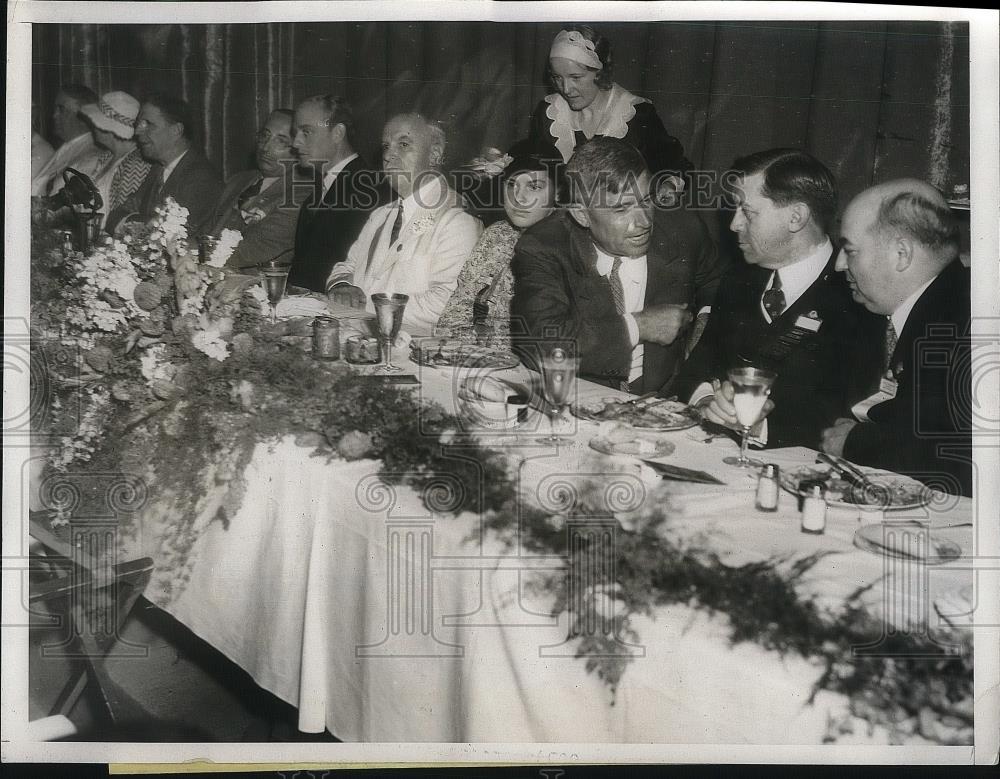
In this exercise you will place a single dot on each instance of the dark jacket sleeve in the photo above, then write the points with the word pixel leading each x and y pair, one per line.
pixel 925 431
pixel 710 268
pixel 543 306
pixel 270 237
pixel 199 197
pixel 705 361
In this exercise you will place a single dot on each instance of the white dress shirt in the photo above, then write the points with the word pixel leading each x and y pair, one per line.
pixel 799 276
pixel 632 273
pixel 331 173
pixel 902 312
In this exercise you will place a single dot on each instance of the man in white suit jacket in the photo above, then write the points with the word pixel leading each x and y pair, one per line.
pixel 417 244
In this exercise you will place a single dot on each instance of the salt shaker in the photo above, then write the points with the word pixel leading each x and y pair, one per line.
pixel 814 512
pixel 767 488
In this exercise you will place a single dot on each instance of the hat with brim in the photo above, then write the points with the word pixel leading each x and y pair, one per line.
pixel 115 112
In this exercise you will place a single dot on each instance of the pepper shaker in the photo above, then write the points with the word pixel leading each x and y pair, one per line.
pixel 814 512
pixel 767 488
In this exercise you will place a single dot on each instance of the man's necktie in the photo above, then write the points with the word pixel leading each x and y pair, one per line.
pixel 890 345
pixel 774 298
pixel 618 294
pixel 397 225
pixel 249 193
pixel 617 290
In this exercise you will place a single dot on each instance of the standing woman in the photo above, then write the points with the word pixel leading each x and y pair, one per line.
pixel 479 308
pixel 588 103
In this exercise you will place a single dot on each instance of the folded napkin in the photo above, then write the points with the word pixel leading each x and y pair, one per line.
pixel 309 305
pixel 304 305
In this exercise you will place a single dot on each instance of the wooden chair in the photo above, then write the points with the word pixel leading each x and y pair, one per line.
pixel 77 587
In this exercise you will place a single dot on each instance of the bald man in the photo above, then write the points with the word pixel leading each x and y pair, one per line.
pixel 900 256
pixel 417 244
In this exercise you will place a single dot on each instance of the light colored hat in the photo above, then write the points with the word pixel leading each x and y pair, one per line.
pixel 115 112
pixel 571 45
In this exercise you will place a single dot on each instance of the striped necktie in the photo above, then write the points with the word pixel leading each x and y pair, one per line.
pixel 397 225
pixel 617 290
pixel 249 193
pixel 618 295
pixel 774 298
pixel 891 338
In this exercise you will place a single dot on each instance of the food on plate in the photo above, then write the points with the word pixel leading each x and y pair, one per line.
pixel 886 490
pixel 655 415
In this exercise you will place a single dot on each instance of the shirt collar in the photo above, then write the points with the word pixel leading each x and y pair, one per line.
pixel 799 276
pixel 902 312
pixel 605 261
pixel 430 196
pixel 334 169
pixel 168 169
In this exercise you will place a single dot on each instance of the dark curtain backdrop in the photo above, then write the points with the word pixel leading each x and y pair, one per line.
pixel 874 100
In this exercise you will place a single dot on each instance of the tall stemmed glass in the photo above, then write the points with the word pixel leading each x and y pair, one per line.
pixel 751 386
pixel 389 316
pixel 274 277
pixel 559 368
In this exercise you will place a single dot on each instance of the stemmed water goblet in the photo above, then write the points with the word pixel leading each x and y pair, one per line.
pixel 389 317
pixel 751 387
pixel 559 365
pixel 274 277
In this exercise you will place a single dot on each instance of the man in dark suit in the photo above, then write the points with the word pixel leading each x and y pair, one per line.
pixel 164 131
pixel 900 257
pixel 343 191
pixel 612 273
pixel 254 202
pixel 785 310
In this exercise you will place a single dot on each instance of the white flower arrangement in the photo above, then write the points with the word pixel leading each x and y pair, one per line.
pixel 491 163
pixel 82 444
pixel 155 365
pixel 106 300
pixel 421 225
pixel 224 248
pixel 259 296
pixel 170 224
pixel 211 342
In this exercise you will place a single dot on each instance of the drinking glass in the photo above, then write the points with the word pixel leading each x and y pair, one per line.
pixel 274 278
pixel 389 317
pixel 751 386
pixel 559 368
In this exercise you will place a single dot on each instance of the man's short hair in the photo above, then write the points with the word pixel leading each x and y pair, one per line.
pixel 338 111
pixel 602 163
pixel 174 110
pixel 288 113
pixel 928 223
pixel 82 94
pixel 793 176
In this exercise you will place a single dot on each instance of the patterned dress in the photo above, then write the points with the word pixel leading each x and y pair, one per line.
pixel 486 276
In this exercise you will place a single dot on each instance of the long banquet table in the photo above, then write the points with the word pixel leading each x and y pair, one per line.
pixel 381 621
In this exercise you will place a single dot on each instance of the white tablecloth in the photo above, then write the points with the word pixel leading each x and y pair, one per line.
pixel 297 592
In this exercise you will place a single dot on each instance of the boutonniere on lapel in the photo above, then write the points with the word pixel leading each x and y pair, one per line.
pixel 421 225
pixel 809 321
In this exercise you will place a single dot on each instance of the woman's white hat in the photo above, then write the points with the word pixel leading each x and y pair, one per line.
pixel 115 112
